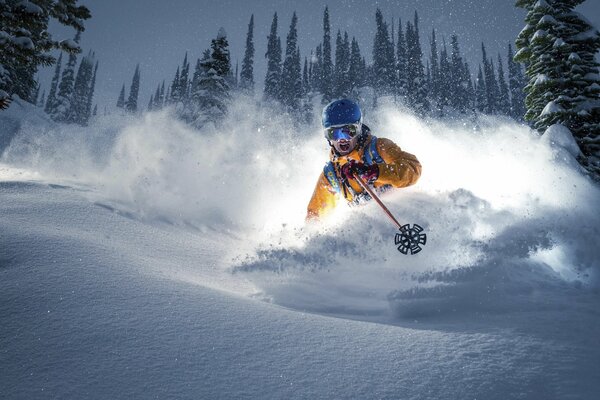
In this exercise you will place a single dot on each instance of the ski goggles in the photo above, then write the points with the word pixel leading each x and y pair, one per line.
pixel 342 132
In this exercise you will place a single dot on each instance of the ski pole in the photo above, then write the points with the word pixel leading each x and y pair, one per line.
pixel 409 238
pixel 366 187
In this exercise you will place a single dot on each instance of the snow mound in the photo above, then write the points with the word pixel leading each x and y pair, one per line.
pixel 511 220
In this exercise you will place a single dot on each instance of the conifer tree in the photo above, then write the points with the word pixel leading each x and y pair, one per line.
pixel 25 41
pixel 559 47
pixel 401 62
pixel 183 85
pixel 317 69
pixel 41 103
pixel 121 99
pixel 51 100
pixel 503 95
pixel 62 107
pixel 211 94
pixel 384 68
pixel 291 76
pixel 491 85
pixel 460 78
pixel 81 91
pixel 416 82
pixel 480 92
pixel 326 78
pixel 175 95
pixel 132 100
pixel 516 84
pixel 247 76
pixel 434 83
pixel 273 56
pixel 446 79
pixel 355 70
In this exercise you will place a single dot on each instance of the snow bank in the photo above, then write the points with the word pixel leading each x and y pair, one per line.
pixel 511 221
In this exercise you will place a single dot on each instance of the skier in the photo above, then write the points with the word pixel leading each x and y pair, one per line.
pixel 354 150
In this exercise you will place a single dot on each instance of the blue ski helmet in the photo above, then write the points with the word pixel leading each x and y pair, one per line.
pixel 341 112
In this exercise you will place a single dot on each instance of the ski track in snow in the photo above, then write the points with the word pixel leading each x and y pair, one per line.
pixel 509 276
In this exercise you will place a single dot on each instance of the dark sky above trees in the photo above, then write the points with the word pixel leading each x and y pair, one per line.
pixel 157 33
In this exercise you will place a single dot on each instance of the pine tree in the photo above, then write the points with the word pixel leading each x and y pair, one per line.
pixel 355 71
pixel 435 91
pixel 491 85
pixel 401 62
pixel 90 98
pixel 247 76
pixel 132 100
pixel 503 96
pixel 78 113
pixel 416 81
pixel 384 68
pixel 26 42
pixel 121 100
pixel 317 69
pixel 183 85
pixel 62 108
pixel 480 92
pixel 175 95
pixel 326 79
pixel 445 85
pixel 559 47
pixel 343 62
pixel 516 83
pixel 291 77
pixel 460 78
pixel 41 103
pixel 51 100
pixel 273 56
pixel 209 98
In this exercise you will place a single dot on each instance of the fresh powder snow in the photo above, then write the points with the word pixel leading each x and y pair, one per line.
pixel 140 258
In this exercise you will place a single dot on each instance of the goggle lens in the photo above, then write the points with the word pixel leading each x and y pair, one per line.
pixel 342 132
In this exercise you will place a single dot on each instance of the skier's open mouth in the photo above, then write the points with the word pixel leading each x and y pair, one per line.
pixel 344 145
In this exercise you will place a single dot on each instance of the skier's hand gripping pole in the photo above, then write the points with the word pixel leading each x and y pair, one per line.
pixel 410 238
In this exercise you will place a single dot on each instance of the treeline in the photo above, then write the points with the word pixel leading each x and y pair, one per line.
pixel 71 94
pixel 438 85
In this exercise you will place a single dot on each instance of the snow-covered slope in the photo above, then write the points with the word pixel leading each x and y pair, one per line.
pixel 141 259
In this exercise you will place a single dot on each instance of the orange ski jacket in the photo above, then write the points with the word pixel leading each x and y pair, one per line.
pixel 397 169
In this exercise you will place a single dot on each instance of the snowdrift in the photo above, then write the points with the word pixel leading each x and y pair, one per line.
pixel 133 252
pixel 511 219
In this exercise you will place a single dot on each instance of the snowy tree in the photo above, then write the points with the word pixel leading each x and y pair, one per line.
pixel 445 80
pixel 51 100
pixel 291 76
pixel 79 113
pixel 401 62
pixel 326 78
pixel 491 84
pixel 211 94
pixel 384 68
pixel 132 100
pixel 503 102
pixel 480 92
pixel 559 46
pixel 434 81
pixel 516 84
pixel 415 71
pixel 26 42
pixel 343 62
pixel 247 76
pixel 63 105
pixel 273 56
pixel 355 71
pixel 460 78
pixel 121 100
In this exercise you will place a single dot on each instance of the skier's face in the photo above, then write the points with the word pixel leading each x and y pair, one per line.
pixel 343 138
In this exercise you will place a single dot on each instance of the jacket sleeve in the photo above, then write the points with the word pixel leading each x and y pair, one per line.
pixel 323 199
pixel 401 169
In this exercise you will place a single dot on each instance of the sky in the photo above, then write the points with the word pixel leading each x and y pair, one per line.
pixel 156 33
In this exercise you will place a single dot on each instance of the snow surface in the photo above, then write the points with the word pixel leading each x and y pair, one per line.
pixel 140 258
